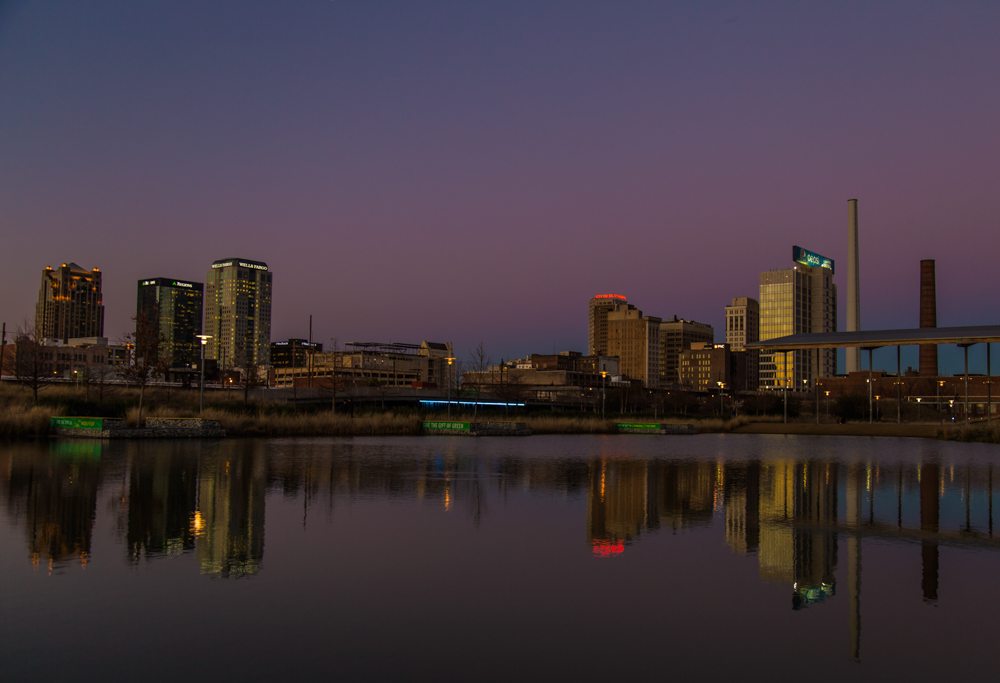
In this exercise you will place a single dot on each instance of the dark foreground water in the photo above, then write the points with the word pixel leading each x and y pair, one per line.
pixel 563 558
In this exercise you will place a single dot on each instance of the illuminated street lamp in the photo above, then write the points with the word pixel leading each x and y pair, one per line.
pixel 451 360
pixel 604 384
pixel 722 405
pixel 918 408
pixel 937 398
pixel 201 385
pixel 827 392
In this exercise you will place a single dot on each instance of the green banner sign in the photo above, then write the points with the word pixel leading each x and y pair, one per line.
pixel 447 426
pixel 94 423
pixel 638 426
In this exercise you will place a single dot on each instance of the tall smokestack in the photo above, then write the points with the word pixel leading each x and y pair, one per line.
pixel 928 317
pixel 853 283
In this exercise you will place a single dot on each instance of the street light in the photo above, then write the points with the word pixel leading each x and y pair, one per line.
pixel 201 367
pixel 451 360
pixel 827 392
pixel 722 405
pixel 604 384
pixel 918 408
pixel 871 409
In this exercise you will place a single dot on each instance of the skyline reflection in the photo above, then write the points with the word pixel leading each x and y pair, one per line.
pixel 789 532
pixel 186 498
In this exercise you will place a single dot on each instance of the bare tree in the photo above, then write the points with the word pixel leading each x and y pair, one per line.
pixel 480 364
pixel 250 369
pixel 146 362
pixel 510 389
pixel 29 362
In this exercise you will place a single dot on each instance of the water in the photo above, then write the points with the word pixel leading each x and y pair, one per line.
pixel 718 556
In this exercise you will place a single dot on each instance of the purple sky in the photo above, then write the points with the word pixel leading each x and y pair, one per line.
pixel 463 171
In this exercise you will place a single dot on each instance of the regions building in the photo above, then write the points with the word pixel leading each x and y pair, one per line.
pixel 675 336
pixel 797 300
pixel 743 327
pixel 70 304
pixel 172 309
pixel 597 321
pixel 238 313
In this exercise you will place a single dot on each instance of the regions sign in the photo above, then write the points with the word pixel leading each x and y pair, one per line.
pixel 811 258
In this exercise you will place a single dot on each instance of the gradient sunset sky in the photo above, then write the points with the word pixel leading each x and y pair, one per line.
pixel 474 171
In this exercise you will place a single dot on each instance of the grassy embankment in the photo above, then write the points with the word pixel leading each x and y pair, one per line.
pixel 20 419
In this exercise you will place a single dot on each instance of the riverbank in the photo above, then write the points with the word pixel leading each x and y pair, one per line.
pixel 21 421
pixel 34 423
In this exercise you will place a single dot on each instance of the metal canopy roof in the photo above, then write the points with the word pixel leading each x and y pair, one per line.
pixel 873 339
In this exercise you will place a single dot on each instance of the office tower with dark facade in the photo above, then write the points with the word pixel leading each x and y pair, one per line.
pixel 293 353
pixel 797 300
pixel 238 313
pixel 172 309
pixel 70 304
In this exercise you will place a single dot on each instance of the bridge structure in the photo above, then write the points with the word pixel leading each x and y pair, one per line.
pixel 869 340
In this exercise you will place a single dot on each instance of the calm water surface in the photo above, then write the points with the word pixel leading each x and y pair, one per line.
pixel 715 556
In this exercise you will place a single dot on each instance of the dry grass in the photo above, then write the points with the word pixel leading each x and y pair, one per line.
pixel 25 421
pixel 315 424
pixel 926 431
pixel 983 432
pixel 553 424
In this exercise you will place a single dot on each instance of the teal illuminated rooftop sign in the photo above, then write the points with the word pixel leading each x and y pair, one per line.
pixel 811 258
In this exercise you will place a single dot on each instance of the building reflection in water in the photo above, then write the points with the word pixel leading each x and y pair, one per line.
pixel 162 497
pixel 793 515
pixel 228 522
pixel 55 498
pixel 798 515
pixel 628 497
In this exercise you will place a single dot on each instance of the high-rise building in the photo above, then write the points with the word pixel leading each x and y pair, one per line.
pixel 597 321
pixel 70 304
pixel 743 327
pixel 797 300
pixel 635 339
pixel 675 336
pixel 238 313
pixel 172 309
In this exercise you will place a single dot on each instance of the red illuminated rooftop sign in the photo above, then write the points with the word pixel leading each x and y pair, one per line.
pixel 620 297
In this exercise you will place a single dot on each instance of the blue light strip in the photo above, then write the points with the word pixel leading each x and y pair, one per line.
pixel 428 402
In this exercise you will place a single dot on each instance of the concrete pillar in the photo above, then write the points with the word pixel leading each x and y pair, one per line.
pixel 853 283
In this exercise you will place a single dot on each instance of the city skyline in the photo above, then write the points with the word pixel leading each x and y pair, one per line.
pixel 378 159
